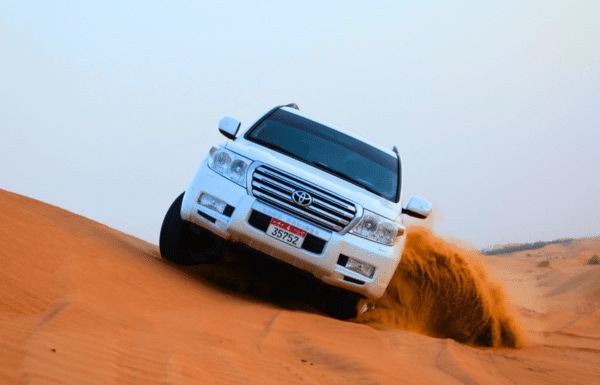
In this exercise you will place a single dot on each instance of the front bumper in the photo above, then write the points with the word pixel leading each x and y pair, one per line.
pixel 321 257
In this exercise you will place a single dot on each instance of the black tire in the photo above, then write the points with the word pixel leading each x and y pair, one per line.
pixel 341 304
pixel 175 236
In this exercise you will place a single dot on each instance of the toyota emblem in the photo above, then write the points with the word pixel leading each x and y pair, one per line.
pixel 302 198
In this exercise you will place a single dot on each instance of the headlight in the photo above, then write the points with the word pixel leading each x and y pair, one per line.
pixel 378 229
pixel 229 164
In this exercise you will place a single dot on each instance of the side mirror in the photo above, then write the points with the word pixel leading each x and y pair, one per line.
pixel 229 127
pixel 418 208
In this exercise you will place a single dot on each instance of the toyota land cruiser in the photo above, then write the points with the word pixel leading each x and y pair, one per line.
pixel 305 192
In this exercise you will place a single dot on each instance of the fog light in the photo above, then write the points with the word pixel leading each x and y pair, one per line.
pixel 212 203
pixel 360 267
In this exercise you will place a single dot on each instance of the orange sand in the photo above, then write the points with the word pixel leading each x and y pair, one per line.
pixel 82 303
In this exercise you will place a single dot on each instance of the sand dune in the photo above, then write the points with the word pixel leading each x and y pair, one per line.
pixel 82 303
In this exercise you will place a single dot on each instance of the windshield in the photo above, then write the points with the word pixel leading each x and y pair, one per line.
pixel 329 150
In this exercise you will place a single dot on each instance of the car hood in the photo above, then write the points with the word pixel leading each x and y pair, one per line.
pixel 323 179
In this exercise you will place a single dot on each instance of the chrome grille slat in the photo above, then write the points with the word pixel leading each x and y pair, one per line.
pixel 333 208
pixel 327 209
pixel 305 186
pixel 295 210
pixel 273 182
pixel 262 186
pixel 286 198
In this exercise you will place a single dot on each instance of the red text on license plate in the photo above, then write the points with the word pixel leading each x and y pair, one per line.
pixel 287 227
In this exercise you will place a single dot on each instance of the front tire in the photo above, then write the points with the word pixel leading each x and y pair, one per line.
pixel 175 236
pixel 341 304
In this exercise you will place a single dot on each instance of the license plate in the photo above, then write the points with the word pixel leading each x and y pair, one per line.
pixel 286 233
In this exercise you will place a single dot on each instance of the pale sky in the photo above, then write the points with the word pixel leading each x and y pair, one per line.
pixel 107 107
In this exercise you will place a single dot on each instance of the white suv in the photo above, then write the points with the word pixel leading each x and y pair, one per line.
pixel 304 192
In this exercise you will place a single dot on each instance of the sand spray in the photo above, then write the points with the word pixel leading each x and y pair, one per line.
pixel 444 291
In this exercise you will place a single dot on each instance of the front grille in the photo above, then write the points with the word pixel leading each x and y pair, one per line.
pixel 327 209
